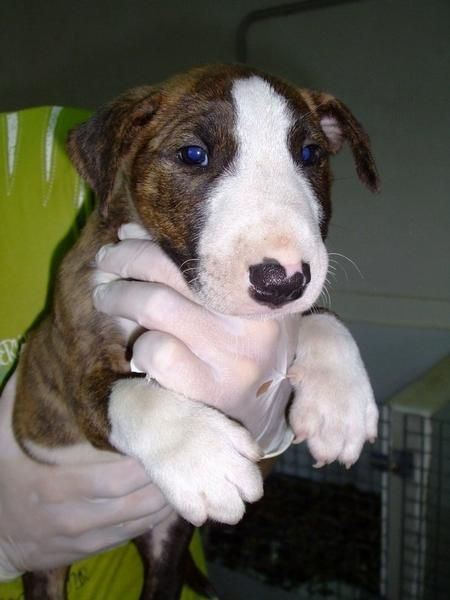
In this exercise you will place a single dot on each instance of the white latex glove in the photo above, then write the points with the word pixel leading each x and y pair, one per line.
pixel 236 365
pixel 54 515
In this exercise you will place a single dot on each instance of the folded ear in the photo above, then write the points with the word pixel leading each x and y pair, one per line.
pixel 98 147
pixel 339 125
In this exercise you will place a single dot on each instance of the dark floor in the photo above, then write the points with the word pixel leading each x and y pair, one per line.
pixel 232 585
pixel 303 540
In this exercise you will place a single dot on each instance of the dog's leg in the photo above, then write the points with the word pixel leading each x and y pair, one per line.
pixel 46 585
pixel 198 581
pixel 334 408
pixel 168 563
pixel 164 551
pixel 203 462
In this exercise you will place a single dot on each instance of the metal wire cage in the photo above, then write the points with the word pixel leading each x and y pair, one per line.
pixel 416 496
pixel 378 531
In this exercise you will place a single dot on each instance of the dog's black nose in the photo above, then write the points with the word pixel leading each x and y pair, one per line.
pixel 271 286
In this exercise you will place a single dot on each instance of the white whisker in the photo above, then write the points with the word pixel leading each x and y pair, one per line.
pixel 188 261
pixel 343 269
pixel 184 271
pixel 352 262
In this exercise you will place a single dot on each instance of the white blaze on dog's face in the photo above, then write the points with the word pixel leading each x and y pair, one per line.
pixel 228 170
pixel 261 247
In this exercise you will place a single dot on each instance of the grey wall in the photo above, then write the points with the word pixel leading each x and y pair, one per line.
pixel 387 59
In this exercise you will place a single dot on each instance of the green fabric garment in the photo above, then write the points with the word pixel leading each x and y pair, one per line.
pixel 43 205
pixel 41 198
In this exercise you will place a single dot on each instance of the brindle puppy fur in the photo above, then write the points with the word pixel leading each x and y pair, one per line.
pixel 126 153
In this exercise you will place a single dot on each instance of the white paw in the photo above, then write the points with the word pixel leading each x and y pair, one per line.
pixel 204 463
pixel 334 408
pixel 335 411
pixel 211 472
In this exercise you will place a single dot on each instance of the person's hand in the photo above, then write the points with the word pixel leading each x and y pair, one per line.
pixel 54 515
pixel 236 365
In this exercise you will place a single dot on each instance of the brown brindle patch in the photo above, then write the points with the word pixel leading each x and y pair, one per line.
pixel 169 195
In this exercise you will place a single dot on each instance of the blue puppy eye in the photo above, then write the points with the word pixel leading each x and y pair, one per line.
pixel 310 154
pixel 194 155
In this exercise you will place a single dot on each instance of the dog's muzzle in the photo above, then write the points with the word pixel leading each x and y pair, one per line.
pixel 271 286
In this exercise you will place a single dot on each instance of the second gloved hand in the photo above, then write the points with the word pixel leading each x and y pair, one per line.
pixel 53 515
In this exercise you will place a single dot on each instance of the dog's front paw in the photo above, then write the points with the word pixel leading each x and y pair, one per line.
pixel 335 411
pixel 334 407
pixel 204 463
pixel 208 471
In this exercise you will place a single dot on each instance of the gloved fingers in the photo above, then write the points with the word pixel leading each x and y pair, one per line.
pixel 110 537
pixel 95 482
pixel 74 519
pixel 168 360
pixel 158 521
pixel 115 478
pixel 156 306
pixel 135 527
pixel 146 502
pixel 142 260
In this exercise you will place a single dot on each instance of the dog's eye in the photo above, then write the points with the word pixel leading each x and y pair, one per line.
pixel 310 155
pixel 193 155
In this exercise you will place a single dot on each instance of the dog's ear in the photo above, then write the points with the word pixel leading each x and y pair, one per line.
pixel 340 125
pixel 98 146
